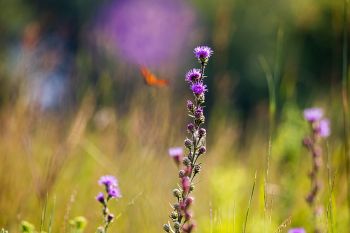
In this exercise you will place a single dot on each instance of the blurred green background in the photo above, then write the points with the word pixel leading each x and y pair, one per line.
pixel 74 106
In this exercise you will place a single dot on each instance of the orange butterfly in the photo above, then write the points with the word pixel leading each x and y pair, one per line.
pixel 151 79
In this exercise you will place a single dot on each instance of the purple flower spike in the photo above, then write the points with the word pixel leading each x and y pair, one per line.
pixel 193 75
pixel 324 128
pixel 114 192
pixel 297 230
pixel 108 181
pixel 203 52
pixel 313 114
pixel 198 88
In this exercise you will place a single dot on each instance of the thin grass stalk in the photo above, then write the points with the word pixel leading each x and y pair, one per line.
pixel 249 204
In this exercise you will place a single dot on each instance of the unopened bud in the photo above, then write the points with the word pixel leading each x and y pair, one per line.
pixel 166 228
pixel 197 168
pixel 174 215
pixel 202 132
pixel 177 193
pixel 186 161
pixel 202 150
pixel 190 106
pixel 190 128
pixel 177 225
pixel 181 173
pixel 188 143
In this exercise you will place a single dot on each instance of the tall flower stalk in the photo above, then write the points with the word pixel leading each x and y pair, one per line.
pixel 319 129
pixel 112 191
pixel 181 215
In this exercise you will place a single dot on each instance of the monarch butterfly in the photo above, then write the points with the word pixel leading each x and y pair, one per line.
pixel 151 79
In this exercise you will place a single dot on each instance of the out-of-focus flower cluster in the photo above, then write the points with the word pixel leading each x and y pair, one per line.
pixel 320 129
pixel 112 190
pixel 146 32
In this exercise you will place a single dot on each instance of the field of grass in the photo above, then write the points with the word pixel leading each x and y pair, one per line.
pixel 56 163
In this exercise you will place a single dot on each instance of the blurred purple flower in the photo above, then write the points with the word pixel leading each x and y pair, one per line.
pixel 203 52
pixel 198 88
pixel 324 128
pixel 114 192
pixel 313 114
pixel 193 75
pixel 148 32
pixel 297 230
pixel 176 153
pixel 108 181
pixel 100 197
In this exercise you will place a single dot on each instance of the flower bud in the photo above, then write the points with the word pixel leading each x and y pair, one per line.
pixel 177 225
pixel 202 150
pixel 176 206
pixel 190 128
pixel 202 132
pixel 177 193
pixel 197 168
pixel 166 227
pixel 199 120
pixel 191 187
pixel 174 215
pixel 181 173
pixel 190 106
pixel 188 143
pixel 200 99
pixel 110 217
pixel 186 161
pixel 100 198
pixel 198 113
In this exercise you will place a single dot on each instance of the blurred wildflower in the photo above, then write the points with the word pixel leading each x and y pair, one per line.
pixel 108 181
pixel 176 153
pixel 320 129
pixel 313 114
pixel 324 128
pixel 112 191
pixel 297 230
pixel 181 216
pixel 147 32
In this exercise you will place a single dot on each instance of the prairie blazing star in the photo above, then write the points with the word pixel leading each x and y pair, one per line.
pixel 193 75
pixel 203 53
pixel 198 88
pixel 313 114
pixel 181 215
